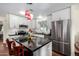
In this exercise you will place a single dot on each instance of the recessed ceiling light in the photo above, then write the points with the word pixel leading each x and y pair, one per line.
pixel 39 16
pixel 22 12
pixel 42 18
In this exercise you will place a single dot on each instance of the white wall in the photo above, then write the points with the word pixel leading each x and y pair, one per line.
pixel 5 28
pixel 75 25
pixel 2 18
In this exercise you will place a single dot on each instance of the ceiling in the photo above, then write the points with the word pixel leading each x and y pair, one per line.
pixel 37 8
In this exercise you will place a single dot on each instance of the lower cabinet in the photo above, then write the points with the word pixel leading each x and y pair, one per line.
pixel 44 51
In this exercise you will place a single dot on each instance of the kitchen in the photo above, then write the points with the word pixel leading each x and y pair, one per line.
pixel 46 33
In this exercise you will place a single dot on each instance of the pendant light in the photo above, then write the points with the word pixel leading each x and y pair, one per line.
pixel 28 11
pixel 27 14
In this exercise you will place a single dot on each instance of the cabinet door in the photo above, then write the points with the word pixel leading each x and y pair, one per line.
pixel 49 49
pixel 44 51
pixel 36 53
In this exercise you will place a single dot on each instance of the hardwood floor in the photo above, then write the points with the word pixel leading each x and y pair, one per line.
pixel 56 54
pixel 3 49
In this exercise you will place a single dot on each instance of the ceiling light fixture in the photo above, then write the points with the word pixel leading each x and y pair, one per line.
pixel 22 12
pixel 28 15
pixel 41 18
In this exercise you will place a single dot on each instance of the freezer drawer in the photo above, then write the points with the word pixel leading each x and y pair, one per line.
pixel 61 48
pixel 67 49
pixel 55 46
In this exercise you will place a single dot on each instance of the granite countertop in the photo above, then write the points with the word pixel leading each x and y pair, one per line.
pixel 38 43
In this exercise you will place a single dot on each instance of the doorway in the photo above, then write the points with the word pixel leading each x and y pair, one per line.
pixel 1 31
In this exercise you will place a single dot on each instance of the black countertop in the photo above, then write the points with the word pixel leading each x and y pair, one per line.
pixel 38 43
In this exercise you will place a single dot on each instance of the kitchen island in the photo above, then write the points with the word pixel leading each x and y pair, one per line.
pixel 41 46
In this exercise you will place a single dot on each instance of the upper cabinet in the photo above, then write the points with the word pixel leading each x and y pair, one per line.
pixel 15 21
pixel 62 14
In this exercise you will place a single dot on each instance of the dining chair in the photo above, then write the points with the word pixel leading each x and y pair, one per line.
pixel 9 44
pixel 20 50
pixel 77 48
pixel 13 49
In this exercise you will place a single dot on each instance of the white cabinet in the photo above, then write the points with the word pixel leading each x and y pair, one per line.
pixel 63 14
pixel 49 49
pixel 15 21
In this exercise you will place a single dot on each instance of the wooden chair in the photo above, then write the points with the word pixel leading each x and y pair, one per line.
pixel 9 44
pixel 20 50
pixel 17 50
pixel 77 48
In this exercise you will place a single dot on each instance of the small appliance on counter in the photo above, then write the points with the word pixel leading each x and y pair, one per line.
pixel 22 33
pixel 25 26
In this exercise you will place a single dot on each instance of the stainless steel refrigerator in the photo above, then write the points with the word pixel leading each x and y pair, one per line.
pixel 60 34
